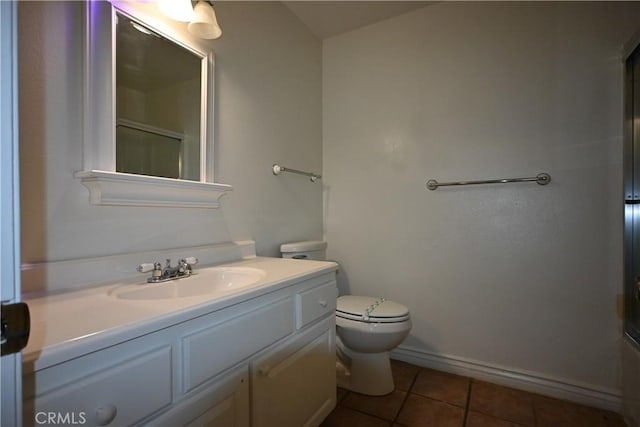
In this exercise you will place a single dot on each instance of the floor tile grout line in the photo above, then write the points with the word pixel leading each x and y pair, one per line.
pixel 415 377
pixel 494 416
pixel 535 411
pixel 358 410
pixel 466 406
pixel 369 414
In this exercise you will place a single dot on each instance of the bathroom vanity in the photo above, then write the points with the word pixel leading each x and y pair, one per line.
pixel 260 355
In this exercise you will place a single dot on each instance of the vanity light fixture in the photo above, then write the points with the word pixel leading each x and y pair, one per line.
pixel 180 10
pixel 204 24
pixel 201 17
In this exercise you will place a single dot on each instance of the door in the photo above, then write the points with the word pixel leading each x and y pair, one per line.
pixel 11 371
pixel 632 196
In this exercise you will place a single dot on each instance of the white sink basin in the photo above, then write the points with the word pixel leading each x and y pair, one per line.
pixel 214 280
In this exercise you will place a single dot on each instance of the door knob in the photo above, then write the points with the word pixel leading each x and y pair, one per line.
pixel 15 327
pixel 105 414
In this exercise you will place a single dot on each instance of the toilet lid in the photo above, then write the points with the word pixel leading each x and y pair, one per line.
pixel 370 309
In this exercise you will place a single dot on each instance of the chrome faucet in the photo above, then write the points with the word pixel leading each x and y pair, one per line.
pixel 160 274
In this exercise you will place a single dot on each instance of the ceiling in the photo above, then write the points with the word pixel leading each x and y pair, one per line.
pixel 329 18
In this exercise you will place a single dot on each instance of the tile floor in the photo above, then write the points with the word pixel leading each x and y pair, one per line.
pixel 424 397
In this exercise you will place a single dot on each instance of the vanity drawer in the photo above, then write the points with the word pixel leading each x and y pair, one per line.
pixel 222 345
pixel 315 303
pixel 121 394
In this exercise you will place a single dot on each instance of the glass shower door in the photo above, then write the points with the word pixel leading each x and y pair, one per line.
pixel 145 150
pixel 632 197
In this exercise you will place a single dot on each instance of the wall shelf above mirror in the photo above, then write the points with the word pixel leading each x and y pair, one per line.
pixel 149 100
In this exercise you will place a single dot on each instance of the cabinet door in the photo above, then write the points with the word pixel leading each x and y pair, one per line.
pixel 294 384
pixel 223 404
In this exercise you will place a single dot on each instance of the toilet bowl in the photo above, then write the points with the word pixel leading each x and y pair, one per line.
pixel 367 328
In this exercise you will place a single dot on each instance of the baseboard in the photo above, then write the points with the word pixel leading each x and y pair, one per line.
pixel 560 388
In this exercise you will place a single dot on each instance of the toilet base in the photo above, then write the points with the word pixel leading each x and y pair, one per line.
pixel 367 373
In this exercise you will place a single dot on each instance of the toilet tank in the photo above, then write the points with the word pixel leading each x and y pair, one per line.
pixel 307 249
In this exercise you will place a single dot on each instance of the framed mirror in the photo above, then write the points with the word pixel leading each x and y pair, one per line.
pixel 149 109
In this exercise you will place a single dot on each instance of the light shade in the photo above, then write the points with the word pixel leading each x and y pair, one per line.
pixel 180 10
pixel 204 24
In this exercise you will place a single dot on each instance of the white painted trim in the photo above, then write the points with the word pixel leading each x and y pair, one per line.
pixel 543 384
pixel 9 159
pixel 98 149
pixel 124 189
pixel 10 284
pixel 105 185
pixel 57 276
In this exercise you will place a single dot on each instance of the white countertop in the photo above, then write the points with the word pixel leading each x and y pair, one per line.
pixel 68 325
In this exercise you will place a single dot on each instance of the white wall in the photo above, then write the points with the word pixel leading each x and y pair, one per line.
pixel 268 109
pixel 519 276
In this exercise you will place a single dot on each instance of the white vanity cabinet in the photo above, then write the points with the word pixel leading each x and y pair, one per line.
pixel 265 361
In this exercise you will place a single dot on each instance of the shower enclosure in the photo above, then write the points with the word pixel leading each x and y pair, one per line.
pixel 632 196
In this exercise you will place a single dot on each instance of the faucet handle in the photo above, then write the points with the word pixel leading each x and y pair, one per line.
pixel 191 260
pixel 145 267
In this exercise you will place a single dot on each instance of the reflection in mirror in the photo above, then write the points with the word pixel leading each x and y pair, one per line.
pixel 158 104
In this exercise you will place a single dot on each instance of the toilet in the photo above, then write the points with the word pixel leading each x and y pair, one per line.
pixel 367 328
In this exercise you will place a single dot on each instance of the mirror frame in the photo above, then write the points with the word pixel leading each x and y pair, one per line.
pixel 106 186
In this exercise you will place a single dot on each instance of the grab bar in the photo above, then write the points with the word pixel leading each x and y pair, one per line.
pixel 541 179
pixel 276 169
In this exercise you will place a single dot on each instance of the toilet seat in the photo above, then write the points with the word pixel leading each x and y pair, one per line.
pixel 371 310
